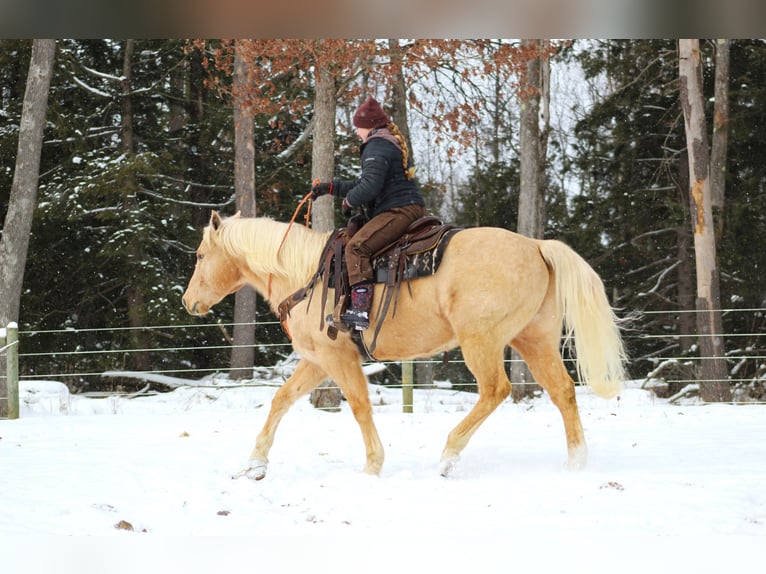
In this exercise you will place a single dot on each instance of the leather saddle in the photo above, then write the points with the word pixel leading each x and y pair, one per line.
pixel 417 253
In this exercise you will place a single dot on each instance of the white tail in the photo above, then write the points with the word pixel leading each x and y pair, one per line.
pixel 588 319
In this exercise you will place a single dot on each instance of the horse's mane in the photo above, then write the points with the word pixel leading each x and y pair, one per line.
pixel 258 240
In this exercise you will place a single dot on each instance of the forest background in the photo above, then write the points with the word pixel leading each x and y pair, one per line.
pixel 139 146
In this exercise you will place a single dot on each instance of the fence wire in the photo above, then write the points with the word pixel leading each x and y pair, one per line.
pixel 757 356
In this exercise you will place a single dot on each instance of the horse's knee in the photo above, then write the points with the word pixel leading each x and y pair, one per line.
pixel 498 391
pixel 503 390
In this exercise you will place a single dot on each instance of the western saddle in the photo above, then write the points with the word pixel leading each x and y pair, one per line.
pixel 417 253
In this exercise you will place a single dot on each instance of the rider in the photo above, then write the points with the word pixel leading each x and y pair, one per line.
pixel 386 191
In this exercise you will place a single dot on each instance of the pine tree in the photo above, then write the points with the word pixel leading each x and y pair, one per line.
pixel 628 216
pixel 631 218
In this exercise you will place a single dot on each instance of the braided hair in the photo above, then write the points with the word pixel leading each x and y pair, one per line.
pixel 409 170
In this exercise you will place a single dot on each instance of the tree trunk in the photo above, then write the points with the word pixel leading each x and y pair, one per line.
pixel 327 395
pixel 136 304
pixel 713 373
pixel 531 199
pixel 687 324
pixel 198 172
pixel 179 77
pixel 243 344
pixel 530 191
pixel 23 198
pixel 498 96
pixel 424 370
pixel 687 321
pixel 720 132
pixel 399 93
pixel 323 147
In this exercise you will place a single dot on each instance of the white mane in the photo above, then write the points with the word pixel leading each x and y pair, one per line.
pixel 271 246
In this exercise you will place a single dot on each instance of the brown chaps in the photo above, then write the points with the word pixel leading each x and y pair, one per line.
pixel 380 231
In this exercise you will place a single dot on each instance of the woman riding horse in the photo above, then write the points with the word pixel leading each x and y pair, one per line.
pixel 388 194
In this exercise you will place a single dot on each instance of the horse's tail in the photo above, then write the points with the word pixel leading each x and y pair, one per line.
pixel 588 319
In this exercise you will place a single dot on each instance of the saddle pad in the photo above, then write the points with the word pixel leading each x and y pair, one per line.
pixel 420 264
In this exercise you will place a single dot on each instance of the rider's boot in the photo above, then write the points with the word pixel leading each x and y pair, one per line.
pixel 358 315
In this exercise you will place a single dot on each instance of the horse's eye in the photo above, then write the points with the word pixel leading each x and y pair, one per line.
pixel 200 256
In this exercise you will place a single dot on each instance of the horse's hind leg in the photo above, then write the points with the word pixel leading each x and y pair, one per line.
pixel 306 377
pixel 486 363
pixel 544 361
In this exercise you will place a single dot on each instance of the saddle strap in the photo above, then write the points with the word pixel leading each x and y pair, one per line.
pixel 394 276
pixel 284 308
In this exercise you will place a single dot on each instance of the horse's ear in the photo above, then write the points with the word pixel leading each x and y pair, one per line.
pixel 237 215
pixel 215 221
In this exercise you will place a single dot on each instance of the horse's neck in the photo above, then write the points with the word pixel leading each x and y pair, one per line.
pixel 273 288
pixel 288 264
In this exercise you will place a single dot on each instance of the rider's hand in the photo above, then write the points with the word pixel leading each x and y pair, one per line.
pixel 346 208
pixel 321 188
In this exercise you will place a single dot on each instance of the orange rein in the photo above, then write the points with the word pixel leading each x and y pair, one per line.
pixel 306 198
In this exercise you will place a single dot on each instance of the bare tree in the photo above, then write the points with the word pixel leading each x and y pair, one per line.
pixel 134 292
pixel 720 129
pixel 399 91
pixel 323 146
pixel 18 220
pixel 712 373
pixel 327 395
pixel 424 370
pixel 242 351
pixel 532 142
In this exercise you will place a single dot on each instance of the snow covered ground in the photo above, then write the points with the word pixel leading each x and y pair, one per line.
pixel 674 488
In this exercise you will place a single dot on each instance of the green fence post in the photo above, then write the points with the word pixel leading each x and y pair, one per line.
pixel 12 368
pixel 407 386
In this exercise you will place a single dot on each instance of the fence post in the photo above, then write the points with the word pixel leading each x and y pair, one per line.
pixel 10 346
pixel 407 386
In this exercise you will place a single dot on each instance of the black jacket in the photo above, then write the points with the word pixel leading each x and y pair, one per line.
pixel 383 184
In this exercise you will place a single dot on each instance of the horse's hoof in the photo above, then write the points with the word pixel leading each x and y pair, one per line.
pixel 256 471
pixel 578 459
pixel 372 470
pixel 576 464
pixel 447 466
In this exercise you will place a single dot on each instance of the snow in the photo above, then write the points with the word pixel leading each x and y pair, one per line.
pixel 674 488
pixel 90 88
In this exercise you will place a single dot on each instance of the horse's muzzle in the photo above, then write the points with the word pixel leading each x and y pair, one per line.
pixel 191 310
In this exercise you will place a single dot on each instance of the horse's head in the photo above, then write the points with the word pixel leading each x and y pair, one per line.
pixel 216 274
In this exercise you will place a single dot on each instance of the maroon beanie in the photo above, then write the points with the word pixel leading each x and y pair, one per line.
pixel 370 115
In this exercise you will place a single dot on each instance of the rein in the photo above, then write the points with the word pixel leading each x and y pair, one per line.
pixel 306 198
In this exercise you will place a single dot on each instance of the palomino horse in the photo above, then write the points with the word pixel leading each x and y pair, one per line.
pixel 494 288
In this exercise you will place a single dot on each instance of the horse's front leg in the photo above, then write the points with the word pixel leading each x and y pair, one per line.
pixel 305 378
pixel 346 371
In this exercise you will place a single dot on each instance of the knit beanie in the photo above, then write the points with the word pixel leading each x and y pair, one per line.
pixel 370 115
